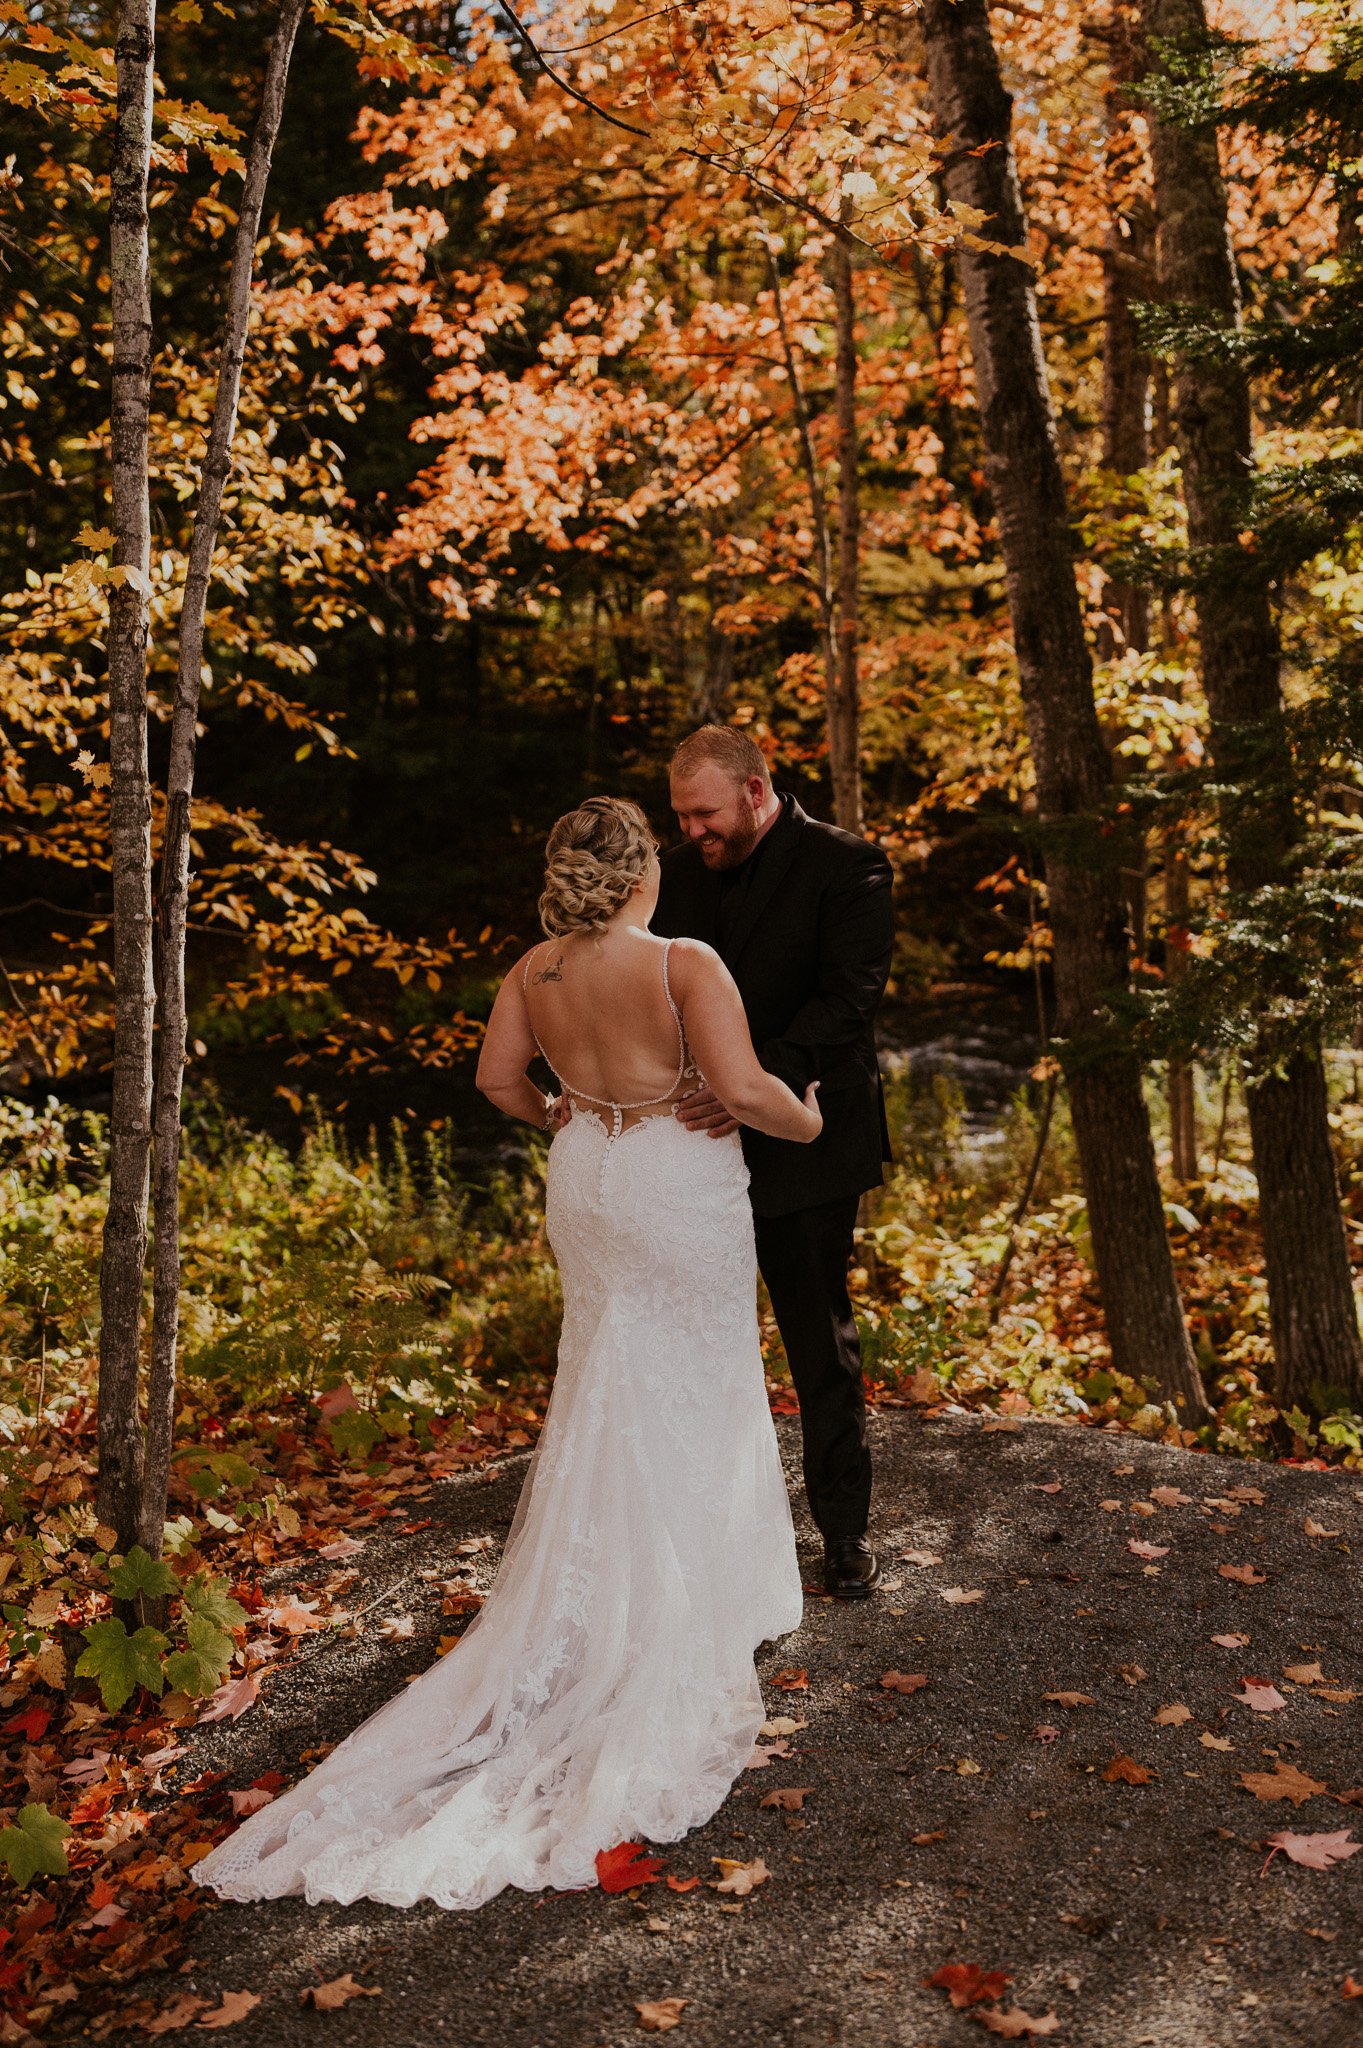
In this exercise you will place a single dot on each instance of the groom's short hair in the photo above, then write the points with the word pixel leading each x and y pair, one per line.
pixel 728 747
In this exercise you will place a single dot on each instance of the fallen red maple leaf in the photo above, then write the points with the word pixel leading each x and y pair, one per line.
pixel 31 1724
pixel 621 1868
pixel 682 1884
pixel 967 1984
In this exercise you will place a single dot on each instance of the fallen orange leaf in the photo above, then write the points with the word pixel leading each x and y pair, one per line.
pixel 235 2006
pixel 903 1681
pixel 1284 1781
pixel 331 1997
pixel 659 2015
pixel 967 1984
pixel 1124 1770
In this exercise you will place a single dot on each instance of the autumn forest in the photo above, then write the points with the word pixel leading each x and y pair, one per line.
pixel 417 417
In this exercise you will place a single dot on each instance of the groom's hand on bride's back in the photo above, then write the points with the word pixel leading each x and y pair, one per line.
pixel 702 1110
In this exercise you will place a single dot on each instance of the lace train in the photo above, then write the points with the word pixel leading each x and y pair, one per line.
pixel 606 1690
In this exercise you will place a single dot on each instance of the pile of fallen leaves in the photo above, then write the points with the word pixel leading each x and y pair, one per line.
pixel 98 1836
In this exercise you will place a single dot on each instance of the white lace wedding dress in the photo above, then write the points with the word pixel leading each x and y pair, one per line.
pixel 606 1690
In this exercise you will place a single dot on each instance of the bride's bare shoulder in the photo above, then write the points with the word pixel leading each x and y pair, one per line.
pixel 694 964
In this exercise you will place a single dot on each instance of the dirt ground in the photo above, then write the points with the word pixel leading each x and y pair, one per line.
pixel 1136 1913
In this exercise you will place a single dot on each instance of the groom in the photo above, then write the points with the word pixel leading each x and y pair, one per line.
pixel 801 914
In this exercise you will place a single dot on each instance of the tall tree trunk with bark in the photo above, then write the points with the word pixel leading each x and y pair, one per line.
pixel 125 1231
pixel 844 695
pixel 1311 1304
pixel 174 893
pixel 972 112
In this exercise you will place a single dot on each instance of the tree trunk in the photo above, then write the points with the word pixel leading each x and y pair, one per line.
pixel 844 696
pixel 1181 1088
pixel 824 598
pixel 174 904
pixel 973 113
pixel 1311 1303
pixel 123 1260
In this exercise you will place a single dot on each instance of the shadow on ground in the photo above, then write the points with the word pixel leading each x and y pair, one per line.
pixel 1138 1914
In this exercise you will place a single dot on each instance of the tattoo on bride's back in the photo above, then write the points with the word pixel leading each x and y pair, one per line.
pixel 553 972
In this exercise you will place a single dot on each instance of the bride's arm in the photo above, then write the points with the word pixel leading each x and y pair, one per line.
pixel 717 1033
pixel 508 1048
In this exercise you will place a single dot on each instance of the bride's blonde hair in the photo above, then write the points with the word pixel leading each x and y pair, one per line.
pixel 594 860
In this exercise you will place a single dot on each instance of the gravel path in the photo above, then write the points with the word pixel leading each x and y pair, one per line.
pixel 1136 1913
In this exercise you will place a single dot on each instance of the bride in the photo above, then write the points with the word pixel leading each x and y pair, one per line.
pixel 606 1690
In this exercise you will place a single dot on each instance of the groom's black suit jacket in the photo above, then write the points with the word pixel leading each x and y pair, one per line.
pixel 810 947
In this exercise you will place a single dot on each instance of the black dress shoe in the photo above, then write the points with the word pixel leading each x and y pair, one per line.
pixel 850 1567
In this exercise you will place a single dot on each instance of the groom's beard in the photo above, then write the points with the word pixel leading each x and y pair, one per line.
pixel 721 850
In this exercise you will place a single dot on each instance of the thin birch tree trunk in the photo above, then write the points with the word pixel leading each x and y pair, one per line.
pixel 844 696
pixel 1312 1313
pixel 973 116
pixel 818 506
pixel 174 893
pixel 123 1260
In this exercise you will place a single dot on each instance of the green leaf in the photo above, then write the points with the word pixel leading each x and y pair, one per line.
pixel 138 1573
pixel 122 1662
pixel 354 1434
pixel 209 1600
pixel 202 1665
pixel 33 1848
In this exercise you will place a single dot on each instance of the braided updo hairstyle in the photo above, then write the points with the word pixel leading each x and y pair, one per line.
pixel 594 860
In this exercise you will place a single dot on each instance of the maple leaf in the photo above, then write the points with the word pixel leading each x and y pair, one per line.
pixel 792 1679
pixel 1210 1741
pixel 235 2006
pixel 1015 2024
pixel 344 1546
pixel 1173 1716
pixel 1139 1549
pixel 1315 1852
pixel 1243 1574
pixel 925 1558
pixel 176 2015
pixel 1262 1697
pixel 958 1596
pixel 1319 1532
pixel 967 1984
pixel 336 1401
pixel 737 1877
pixel 1231 1642
pixel 249 1801
pixel 1171 1497
pixel 122 1662
pixel 88 1770
pixel 763 1754
pixel 1124 1770
pixel 659 2015
pixel 32 1847
pixel 621 1868
pixel 903 1681
pixel 331 1997
pixel 1068 1699
pixel 786 1798
pixel 1049 1486
pixel 211 1600
pixel 1304 1674
pixel 139 1574
pixel 230 1701
pixel 782 1724
pixel 31 1724
pixel 1284 1781
pixel 294 1617
pixel 202 1665
pixel 1133 1673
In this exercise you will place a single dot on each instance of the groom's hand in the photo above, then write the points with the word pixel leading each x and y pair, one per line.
pixel 702 1110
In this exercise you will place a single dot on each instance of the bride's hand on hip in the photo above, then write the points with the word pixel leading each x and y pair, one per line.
pixel 702 1110
pixel 811 1099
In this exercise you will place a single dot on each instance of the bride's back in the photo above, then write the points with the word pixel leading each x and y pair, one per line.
pixel 598 1006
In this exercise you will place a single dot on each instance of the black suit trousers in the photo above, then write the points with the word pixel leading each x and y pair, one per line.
pixel 804 1257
